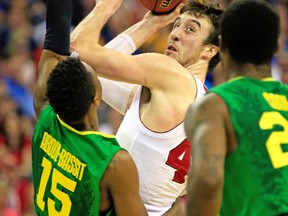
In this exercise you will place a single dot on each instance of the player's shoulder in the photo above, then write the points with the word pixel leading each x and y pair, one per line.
pixel 121 159
pixel 206 100
pixel 120 168
pixel 208 106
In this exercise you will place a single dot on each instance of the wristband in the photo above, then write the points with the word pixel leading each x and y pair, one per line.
pixel 122 43
pixel 58 23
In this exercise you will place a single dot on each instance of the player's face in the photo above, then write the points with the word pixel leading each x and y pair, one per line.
pixel 185 42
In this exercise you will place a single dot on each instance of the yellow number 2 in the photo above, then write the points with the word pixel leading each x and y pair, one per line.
pixel 273 144
pixel 57 178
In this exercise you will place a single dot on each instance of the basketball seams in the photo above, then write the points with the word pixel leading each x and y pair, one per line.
pixel 156 6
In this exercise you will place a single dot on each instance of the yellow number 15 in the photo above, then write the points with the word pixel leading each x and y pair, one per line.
pixel 57 178
pixel 273 144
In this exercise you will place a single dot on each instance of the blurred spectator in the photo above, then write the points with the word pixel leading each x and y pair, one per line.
pixel 280 60
pixel 109 118
pixel 5 210
pixel 6 103
pixel 9 180
pixel 15 147
pixel 20 76
pixel 280 63
pixel 280 67
pixel 18 27
pixel 283 65
pixel 282 8
pixel 26 192
pixel 17 143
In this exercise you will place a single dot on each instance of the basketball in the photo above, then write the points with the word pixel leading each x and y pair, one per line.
pixel 160 6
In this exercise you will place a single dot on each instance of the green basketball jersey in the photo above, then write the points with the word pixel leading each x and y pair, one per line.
pixel 68 166
pixel 256 173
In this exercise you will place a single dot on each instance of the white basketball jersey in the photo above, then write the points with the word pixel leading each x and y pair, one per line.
pixel 162 159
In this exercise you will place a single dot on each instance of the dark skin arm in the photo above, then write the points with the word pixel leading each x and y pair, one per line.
pixel 121 182
pixel 47 62
pixel 58 21
pixel 209 129
pixel 178 208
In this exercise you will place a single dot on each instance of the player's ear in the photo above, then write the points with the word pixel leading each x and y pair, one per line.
pixel 96 101
pixel 211 50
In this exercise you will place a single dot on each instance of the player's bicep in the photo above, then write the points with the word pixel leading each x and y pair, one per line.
pixel 161 72
pixel 146 69
pixel 205 125
pixel 123 185
pixel 205 128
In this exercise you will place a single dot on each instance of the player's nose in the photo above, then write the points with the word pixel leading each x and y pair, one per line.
pixel 175 34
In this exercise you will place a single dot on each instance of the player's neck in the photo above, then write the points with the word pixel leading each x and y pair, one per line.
pixel 199 69
pixel 250 70
pixel 83 125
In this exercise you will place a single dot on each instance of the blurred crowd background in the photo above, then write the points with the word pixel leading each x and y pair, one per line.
pixel 22 30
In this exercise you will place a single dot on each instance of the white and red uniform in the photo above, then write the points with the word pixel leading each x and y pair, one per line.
pixel 162 159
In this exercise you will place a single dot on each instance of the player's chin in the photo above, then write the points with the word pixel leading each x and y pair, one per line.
pixel 171 53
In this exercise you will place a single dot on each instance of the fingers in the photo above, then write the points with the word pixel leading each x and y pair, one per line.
pixel 178 8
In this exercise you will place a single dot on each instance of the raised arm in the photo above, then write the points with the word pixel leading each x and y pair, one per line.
pixel 56 46
pixel 96 19
pixel 118 94
pixel 143 69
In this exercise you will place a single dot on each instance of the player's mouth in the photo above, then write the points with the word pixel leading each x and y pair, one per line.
pixel 171 49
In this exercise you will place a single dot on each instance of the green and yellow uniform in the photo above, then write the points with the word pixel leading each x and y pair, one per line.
pixel 68 166
pixel 256 173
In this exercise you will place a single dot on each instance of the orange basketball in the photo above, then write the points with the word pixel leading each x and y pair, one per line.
pixel 160 6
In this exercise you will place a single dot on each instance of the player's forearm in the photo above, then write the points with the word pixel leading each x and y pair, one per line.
pixel 122 43
pixel 88 31
pixel 58 21
pixel 204 196
pixel 141 31
pixel 56 46
pixel 178 208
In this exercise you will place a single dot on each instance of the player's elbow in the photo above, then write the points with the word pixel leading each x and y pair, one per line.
pixel 206 180
pixel 211 183
pixel 204 192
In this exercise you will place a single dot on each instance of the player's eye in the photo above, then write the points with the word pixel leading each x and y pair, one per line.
pixel 176 25
pixel 190 29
